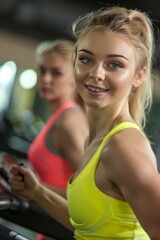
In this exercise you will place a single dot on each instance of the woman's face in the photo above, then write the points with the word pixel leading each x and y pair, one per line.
pixel 55 76
pixel 105 69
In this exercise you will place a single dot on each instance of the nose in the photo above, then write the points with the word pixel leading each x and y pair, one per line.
pixel 46 77
pixel 97 73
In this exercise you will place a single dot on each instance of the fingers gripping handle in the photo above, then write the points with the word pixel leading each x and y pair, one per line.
pixel 20 174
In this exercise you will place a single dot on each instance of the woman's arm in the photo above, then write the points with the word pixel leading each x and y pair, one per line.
pixel 31 188
pixel 133 170
pixel 72 131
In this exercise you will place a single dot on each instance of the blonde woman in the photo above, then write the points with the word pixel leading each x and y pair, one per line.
pixel 115 193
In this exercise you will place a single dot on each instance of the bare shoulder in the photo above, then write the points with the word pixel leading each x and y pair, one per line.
pixel 130 142
pixel 72 130
pixel 72 117
pixel 128 151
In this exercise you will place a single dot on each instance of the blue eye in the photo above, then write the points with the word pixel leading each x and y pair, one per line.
pixel 86 60
pixel 115 65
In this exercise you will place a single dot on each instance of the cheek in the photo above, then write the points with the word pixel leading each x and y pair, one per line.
pixel 123 79
pixel 80 74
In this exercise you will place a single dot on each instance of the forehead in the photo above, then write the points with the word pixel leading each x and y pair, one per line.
pixel 104 43
pixel 54 60
pixel 52 56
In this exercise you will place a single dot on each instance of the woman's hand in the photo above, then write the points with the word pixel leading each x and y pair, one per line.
pixel 23 181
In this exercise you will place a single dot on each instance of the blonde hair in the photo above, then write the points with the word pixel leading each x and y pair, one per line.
pixel 137 26
pixel 64 48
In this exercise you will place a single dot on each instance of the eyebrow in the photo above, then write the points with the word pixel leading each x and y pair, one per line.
pixel 108 56
pixel 86 51
pixel 117 55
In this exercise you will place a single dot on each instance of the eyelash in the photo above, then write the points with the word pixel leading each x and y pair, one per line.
pixel 116 65
pixel 83 60
pixel 112 65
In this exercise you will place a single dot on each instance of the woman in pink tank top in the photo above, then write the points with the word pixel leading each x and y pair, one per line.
pixel 56 151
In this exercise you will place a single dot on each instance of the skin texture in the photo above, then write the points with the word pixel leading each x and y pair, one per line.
pixel 127 168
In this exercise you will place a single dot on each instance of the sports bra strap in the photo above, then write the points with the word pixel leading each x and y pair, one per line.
pixel 116 129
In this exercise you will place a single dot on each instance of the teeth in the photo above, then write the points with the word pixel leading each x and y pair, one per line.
pixel 95 89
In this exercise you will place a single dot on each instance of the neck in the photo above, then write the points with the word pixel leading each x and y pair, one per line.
pixel 102 120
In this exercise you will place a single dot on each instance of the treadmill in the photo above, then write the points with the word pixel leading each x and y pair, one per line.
pixel 26 214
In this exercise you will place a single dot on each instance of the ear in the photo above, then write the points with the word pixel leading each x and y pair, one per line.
pixel 139 77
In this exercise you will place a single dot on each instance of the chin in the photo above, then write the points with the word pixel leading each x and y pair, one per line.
pixel 45 97
pixel 93 105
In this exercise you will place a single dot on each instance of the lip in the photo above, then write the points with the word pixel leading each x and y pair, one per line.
pixel 44 89
pixel 95 90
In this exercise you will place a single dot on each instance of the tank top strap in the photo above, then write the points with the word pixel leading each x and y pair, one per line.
pixel 116 129
pixel 59 111
pixel 63 107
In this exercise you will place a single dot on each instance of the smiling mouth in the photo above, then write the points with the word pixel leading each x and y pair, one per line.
pixel 94 89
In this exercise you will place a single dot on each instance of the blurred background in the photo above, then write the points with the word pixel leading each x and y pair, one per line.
pixel 25 23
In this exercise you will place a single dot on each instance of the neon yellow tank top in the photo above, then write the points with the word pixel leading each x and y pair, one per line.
pixel 95 215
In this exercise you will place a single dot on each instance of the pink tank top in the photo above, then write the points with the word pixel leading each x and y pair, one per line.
pixel 52 168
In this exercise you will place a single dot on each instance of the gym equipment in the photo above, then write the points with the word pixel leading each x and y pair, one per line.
pixel 24 213
pixel 8 234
